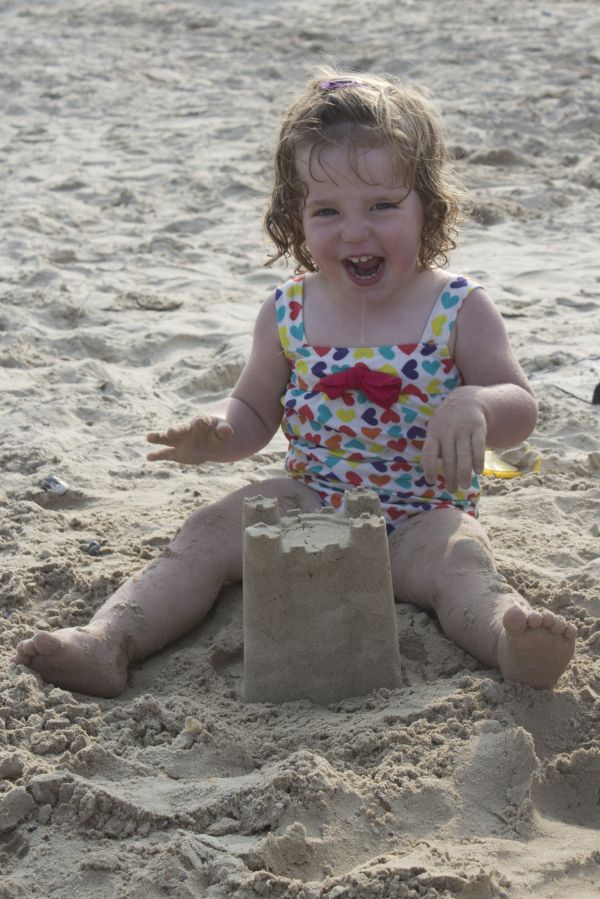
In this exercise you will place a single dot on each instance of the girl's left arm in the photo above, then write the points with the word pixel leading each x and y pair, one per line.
pixel 495 407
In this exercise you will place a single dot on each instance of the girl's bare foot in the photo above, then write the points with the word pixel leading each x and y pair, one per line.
pixel 535 647
pixel 84 659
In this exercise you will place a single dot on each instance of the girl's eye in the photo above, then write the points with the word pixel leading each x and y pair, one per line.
pixel 386 206
pixel 325 211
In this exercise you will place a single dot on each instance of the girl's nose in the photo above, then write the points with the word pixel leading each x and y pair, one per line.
pixel 355 229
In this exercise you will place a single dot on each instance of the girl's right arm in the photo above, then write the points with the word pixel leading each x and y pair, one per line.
pixel 246 422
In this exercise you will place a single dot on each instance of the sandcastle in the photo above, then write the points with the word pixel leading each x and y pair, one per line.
pixel 319 619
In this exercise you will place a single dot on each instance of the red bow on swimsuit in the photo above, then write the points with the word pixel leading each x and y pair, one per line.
pixel 379 387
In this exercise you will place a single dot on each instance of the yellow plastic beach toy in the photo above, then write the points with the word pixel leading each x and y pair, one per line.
pixel 513 462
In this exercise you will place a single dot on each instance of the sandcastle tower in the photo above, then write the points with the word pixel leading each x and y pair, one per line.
pixel 319 619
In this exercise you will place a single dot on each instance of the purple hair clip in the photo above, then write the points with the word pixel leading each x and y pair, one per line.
pixel 340 83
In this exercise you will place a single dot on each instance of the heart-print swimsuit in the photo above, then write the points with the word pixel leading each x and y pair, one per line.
pixel 347 438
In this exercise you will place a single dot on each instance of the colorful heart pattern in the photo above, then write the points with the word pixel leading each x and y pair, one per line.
pixel 351 441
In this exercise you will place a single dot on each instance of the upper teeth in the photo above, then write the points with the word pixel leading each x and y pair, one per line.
pixel 360 258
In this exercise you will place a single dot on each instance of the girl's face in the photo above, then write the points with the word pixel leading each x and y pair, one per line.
pixel 361 224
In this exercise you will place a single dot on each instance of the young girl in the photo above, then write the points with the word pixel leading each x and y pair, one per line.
pixel 386 371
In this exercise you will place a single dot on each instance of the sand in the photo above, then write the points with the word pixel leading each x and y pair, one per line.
pixel 135 141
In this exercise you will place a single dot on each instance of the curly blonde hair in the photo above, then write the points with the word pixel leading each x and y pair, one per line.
pixel 368 111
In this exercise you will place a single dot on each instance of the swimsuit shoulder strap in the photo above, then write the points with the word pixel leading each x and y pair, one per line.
pixel 289 306
pixel 442 320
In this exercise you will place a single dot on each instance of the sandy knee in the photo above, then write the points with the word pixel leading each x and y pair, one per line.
pixel 468 548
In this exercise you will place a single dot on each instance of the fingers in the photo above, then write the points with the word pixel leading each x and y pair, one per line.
pixel 459 458
pixel 209 430
pixel 170 437
pixel 451 454
pixel 471 453
pixel 478 451
pixel 431 454
pixel 450 460
pixel 167 455
pixel 192 443
pixel 198 427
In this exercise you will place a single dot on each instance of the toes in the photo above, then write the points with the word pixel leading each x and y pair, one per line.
pixel 23 652
pixel 537 646
pixel 46 644
pixel 535 619
pixel 41 644
pixel 515 620
pixel 557 624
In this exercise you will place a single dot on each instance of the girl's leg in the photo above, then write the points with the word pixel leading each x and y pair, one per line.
pixel 165 600
pixel 442 562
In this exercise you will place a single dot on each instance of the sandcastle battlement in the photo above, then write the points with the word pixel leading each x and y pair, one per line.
pixel 259 510
pixel 295 537
pixel 359 501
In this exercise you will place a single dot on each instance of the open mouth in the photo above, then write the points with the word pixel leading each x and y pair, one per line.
pixel 364 270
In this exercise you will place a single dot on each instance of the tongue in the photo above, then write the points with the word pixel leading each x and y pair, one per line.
pixel 366 268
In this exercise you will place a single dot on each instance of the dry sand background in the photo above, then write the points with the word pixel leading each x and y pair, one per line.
pixel 135 140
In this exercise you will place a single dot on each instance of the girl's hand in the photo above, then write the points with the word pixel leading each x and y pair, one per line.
pixel 202 440
pixel 456 435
